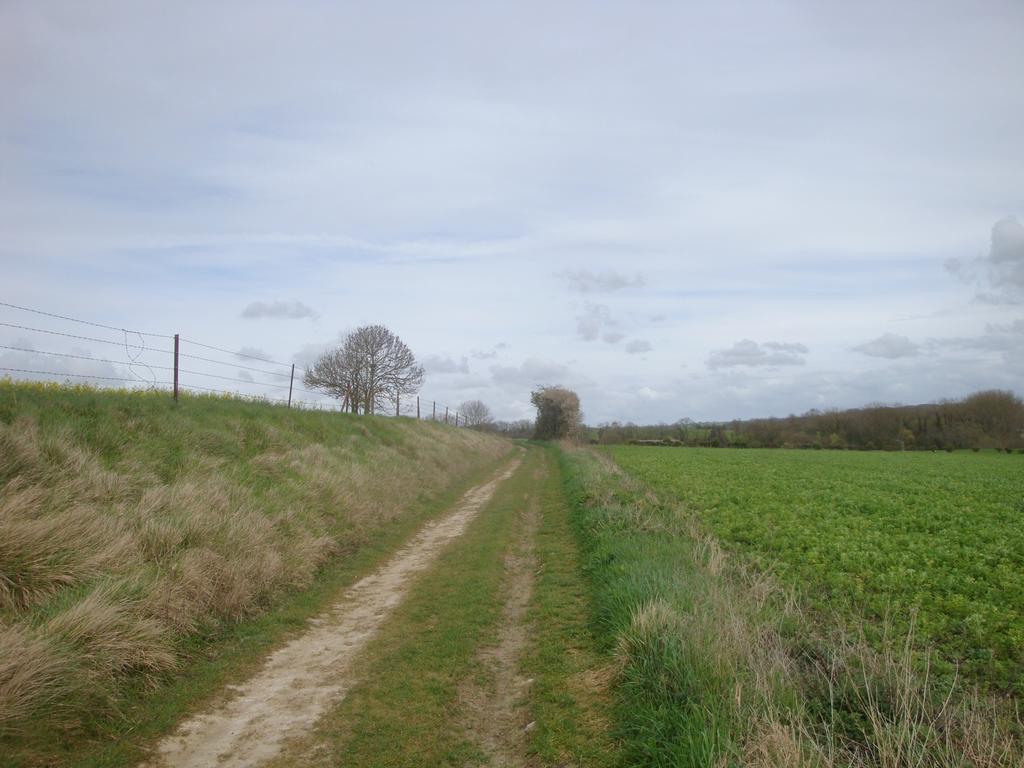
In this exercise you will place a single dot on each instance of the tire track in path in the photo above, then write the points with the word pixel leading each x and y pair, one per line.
pixel 495 719
pixel 315 670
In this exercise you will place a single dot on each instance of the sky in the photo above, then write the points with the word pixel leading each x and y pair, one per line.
pixel 703 210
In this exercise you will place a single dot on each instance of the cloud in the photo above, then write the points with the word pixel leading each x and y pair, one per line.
pixel 479 354
pixel 584 281
pixel 998 337
pixel 613 337
pixel 648 393
pixel 445 364
pixel 778 346
pixel 289 310
pixel 246 376
pixel 530 374
pixel 638 346
pixel 308 353
pixel 890 346
pixel 1006 261
pixel 595 318
pixel 249 352
pixel 750 353
pixel 1001 270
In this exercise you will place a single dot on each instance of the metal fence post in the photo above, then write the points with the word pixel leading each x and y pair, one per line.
pixel 291 381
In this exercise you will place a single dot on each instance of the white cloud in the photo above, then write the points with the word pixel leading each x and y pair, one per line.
pixel 1000 272
pixel 289 310
pixel 444 364
pixel 638 346
pixel 890 346
pixel 586 281
pixel 532 373
pixel 750 353
pixel 595 318
pixel 1006 261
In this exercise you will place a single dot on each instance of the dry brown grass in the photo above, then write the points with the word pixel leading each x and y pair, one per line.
pixel 104 567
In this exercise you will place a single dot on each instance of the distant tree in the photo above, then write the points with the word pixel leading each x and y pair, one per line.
pixel 520 428
pixel 372 367
pixel 558 413
pixel 476 414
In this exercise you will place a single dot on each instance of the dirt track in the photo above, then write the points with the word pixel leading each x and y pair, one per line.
pixel 315 670
pixel 495 718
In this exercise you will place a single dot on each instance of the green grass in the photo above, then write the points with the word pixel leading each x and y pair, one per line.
pixel 570 699
pixel 144 545
pixel 663 716
pixel 880 535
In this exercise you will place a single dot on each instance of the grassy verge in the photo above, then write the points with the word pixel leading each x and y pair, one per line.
pixel 718 665
pixel 570 699
pixel 148 549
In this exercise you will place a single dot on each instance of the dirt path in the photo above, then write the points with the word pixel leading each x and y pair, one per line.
pixel 300 680
pixel 495 719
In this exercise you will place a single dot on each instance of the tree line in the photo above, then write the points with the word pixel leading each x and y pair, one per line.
pixel 988 419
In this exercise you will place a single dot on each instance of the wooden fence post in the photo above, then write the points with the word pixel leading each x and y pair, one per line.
pixel 417 407
pixel 446 414
pixel 433 416
pixel 176 342
pixel 398 400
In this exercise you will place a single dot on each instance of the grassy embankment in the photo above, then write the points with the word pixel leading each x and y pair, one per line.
pixel 144 545
pixel 409 709
pixel 720 663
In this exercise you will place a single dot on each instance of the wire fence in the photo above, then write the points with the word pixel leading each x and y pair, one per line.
pixel 165 362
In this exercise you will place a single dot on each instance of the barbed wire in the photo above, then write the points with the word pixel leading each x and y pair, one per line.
pixel 75 336
pixel 233 365
pixel 75 375
pixel 76 357
pixel 83 322
pixel 230 352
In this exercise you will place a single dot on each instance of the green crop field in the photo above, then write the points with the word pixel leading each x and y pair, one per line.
pixel 881 535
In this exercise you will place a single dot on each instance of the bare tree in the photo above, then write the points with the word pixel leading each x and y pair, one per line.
pixel 373 367
pixel 476 414
pixel 335 373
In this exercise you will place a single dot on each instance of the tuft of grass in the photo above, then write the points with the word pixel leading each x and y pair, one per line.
pixel 131 528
